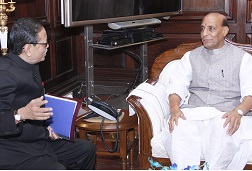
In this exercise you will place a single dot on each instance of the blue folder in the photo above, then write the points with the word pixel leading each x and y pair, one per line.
pixel 65 112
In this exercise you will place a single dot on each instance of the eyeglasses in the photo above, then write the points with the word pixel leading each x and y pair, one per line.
pixel 45 44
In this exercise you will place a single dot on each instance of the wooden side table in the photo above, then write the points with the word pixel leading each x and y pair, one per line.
pixel 127 127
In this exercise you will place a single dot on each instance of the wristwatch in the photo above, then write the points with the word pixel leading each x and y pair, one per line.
pixel 240 112
pixel 17 116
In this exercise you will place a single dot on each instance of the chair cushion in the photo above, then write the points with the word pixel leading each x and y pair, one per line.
pixel 155 103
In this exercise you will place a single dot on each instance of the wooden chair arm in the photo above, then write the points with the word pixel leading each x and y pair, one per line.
pixel 144 130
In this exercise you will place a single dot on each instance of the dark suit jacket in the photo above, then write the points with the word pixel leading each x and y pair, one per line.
pixel 20 82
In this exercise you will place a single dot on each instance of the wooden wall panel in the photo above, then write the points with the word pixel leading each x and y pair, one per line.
pixel 64 56
pixel 249 21
pixel 248 11
pixel 206 5
pixel 31 8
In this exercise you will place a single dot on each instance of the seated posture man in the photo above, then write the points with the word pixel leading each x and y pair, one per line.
pixel 25 142
pixel 216 80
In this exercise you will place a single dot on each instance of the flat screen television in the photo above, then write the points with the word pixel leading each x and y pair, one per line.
pixel 90 12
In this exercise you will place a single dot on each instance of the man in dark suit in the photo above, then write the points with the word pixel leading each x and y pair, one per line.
pixel 25 141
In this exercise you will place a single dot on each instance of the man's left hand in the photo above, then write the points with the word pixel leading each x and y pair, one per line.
pixel 234 120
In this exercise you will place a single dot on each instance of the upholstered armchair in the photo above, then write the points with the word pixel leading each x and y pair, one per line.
pixel 153 100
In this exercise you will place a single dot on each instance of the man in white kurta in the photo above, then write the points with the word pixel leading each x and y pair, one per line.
pixel 214 124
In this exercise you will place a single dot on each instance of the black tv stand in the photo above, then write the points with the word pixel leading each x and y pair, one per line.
pixel 89 65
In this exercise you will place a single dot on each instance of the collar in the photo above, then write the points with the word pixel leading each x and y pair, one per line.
pixel 20 62
pixel 217 51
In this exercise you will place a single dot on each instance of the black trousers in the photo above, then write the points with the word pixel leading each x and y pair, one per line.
pixel 77 155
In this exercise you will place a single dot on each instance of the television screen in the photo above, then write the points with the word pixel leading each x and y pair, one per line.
pixel 89 12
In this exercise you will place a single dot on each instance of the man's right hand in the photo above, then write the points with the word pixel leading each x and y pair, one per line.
pixel 176 113
pixel 34 111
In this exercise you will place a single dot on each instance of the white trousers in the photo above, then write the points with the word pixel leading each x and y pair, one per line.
pixel 194 140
